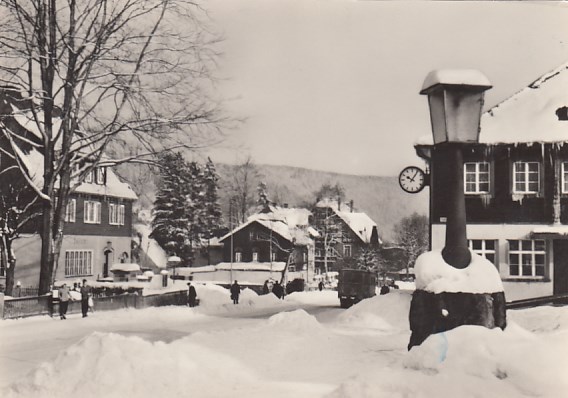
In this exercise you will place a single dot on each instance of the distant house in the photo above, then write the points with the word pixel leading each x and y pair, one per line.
pixel 276 235
pixel 98 218
pixel 516 187
pixel 342 232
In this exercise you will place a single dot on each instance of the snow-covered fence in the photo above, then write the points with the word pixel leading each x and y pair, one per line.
pixel 26 306
pixel 45 305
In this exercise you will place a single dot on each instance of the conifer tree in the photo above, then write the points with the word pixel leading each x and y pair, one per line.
pixel 213 214
pixel 170 224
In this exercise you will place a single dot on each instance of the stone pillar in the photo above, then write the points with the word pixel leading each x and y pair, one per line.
pixel 447 297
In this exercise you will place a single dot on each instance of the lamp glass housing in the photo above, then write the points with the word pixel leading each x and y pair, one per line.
pixel 455 112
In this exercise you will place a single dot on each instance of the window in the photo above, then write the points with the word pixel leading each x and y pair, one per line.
pixel 484 247
pixel 346 250
pixel 255 256
pixel 89 177
pixel 115 214
pixel 252 235
pixel 527 258
pixel 78 262
pixel 238 257
pixel 476 177
pixel 100 173
pixel 292 268
pixel 70 210
pixel 526 177
pixel 564 177
pixel 92 213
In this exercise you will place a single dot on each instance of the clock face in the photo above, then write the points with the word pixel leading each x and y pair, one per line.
pixel 412 179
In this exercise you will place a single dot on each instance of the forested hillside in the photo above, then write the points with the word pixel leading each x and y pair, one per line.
pixel 380 197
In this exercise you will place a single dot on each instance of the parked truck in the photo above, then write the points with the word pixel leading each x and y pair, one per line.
pixel 355 285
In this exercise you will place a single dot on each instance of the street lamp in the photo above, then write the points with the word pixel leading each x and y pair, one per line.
pixel 454 290
pixel 456 100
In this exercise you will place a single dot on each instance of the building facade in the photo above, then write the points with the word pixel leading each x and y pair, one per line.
pixel 342 233
pixel 516 189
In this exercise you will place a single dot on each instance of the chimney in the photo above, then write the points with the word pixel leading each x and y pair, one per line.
pixel 351 205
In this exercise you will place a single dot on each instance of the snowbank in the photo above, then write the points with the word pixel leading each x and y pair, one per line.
pixel 386 313
pixel 359 353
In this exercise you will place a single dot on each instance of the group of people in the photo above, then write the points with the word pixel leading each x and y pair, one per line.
pixel 64 295
pixel 277 289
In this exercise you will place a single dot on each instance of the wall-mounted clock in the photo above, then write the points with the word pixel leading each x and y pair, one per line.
pixel 412 179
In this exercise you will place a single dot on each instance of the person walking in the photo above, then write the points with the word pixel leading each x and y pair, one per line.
pixel 85 294
pixel 265 289
pixel 191 295
pixel 278 290
pixel 235 292
pixel 63 301
pixel 320 286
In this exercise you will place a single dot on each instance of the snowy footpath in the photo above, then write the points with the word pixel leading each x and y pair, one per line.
pixel 304 346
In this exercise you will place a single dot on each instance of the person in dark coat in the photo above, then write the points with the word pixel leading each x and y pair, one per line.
pixel 384 289
pixel 265 289
pixel 320 286
pixel 191 295
pixel 85 293
pixel 235 292
pixel 278 290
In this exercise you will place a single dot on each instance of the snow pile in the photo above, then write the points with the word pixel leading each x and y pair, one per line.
pixel 290 354
pixel 325 297
pixel 298 321
pixel 471 361
pixel 434 275
pixel 214 299
pixel 110 365
pixel 386 313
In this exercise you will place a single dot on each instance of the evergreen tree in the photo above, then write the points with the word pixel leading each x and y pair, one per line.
pixel 263 201
pixel 186 210
pixel 171 226
pixel 213 214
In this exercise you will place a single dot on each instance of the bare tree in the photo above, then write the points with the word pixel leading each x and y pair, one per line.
pixel 243 183
pixel 18 206
pixel 128 75
pixel 412 235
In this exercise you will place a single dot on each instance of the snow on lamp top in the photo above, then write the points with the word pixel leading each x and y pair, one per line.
pixel 434 275
pixel 455 77
pixel 455 97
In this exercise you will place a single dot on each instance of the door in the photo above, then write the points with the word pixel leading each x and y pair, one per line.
pixel 560 277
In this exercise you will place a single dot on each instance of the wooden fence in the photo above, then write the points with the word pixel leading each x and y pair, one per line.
pixel 45 305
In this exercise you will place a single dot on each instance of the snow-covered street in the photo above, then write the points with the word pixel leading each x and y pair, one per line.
pixel 221 349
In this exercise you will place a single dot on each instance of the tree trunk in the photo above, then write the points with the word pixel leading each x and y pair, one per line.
pixel 46 260
pixel 9 264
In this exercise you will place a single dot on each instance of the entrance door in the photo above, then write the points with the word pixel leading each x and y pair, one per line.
pixel 560 281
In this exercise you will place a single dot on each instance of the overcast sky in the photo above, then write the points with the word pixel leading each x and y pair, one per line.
pixel 333 84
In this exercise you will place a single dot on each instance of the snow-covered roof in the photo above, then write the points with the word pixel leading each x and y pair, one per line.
pixel 25 133
pixel 277 266
pixel 551 230
pixel 360 223
pixel 113 187
pixel 152 250
pixel 290 223
pixel 125 267
pixel 529 116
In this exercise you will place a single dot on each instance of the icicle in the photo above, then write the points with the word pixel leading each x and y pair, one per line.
pixel 485 200
pixel 542 154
